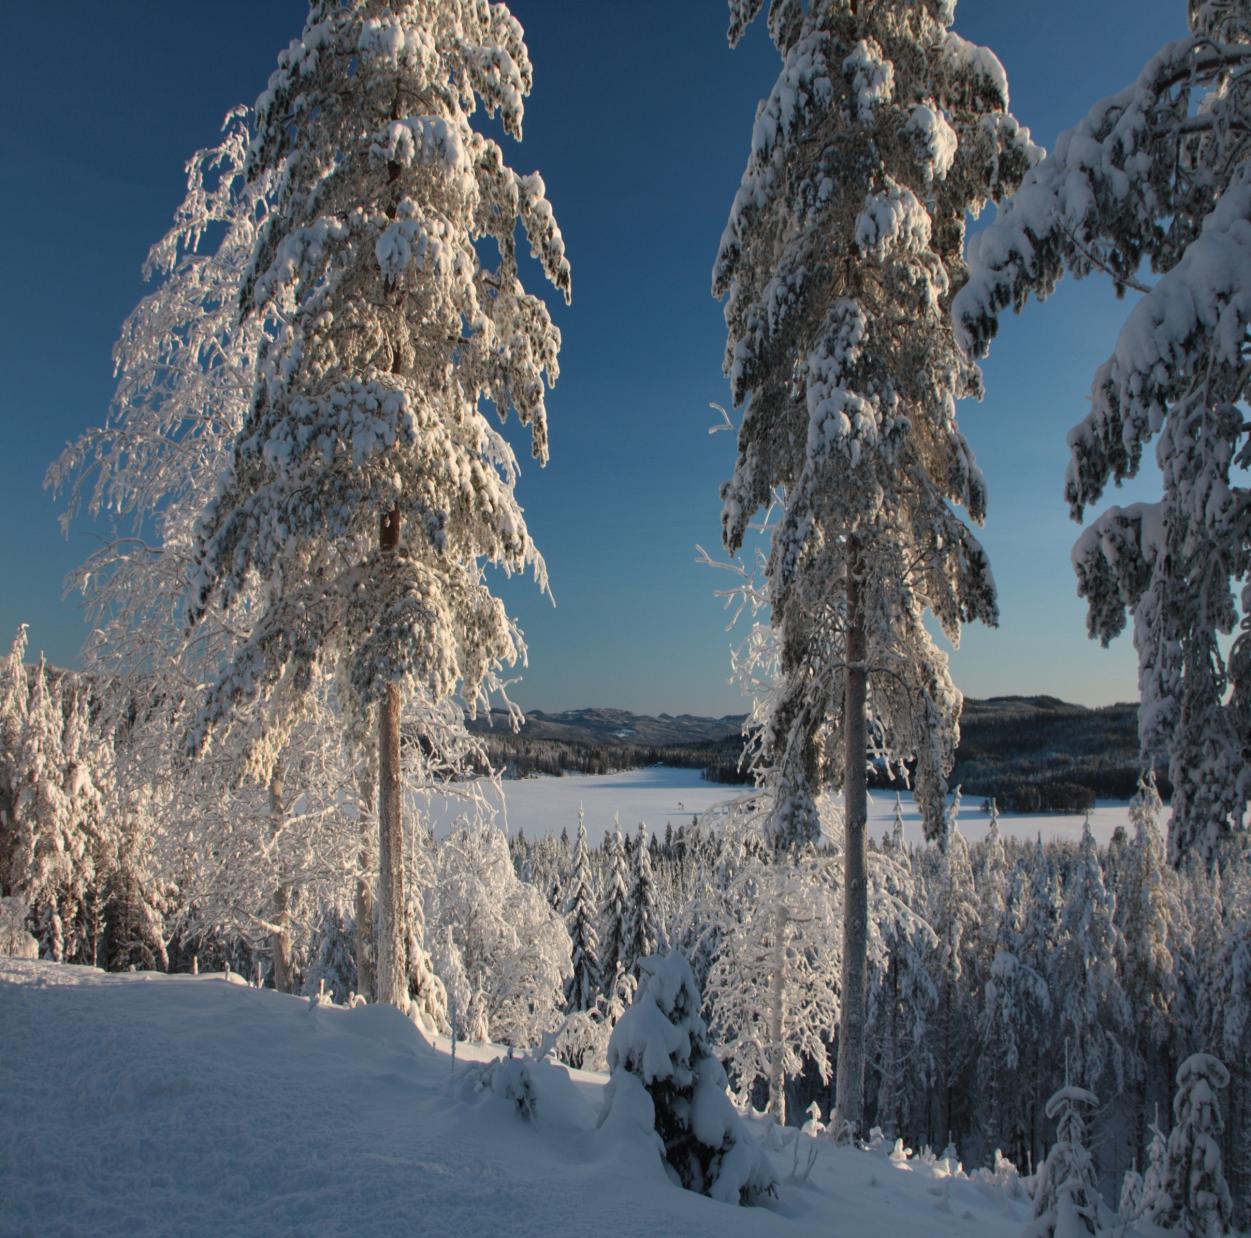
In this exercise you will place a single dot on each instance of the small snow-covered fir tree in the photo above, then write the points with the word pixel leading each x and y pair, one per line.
pixel 837 265
pixel 1066 1196
pixel 586 982
pixel 367 486
pixel 1192 1196
pixel 1156 181
pixel 665 1077
pixel 334 957
pixel 613 951
pixel 643 931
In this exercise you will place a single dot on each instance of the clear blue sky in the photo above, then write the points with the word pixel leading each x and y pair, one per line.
pixel 639 122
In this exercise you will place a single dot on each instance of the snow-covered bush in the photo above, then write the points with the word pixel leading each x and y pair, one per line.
pixel 509 1078
pixel 513 947
pixel 664 1074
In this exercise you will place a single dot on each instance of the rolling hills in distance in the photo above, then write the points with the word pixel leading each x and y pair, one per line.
pixel 1031 753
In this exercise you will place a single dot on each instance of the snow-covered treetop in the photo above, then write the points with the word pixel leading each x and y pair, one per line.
pixel 391 332
pixel 883 132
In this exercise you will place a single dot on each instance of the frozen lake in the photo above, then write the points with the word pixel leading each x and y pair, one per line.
pixel 661 794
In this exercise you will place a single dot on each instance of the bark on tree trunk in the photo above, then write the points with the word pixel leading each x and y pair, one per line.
pixel 365 899
pixel 392 970
pixel 852 1029
pixel 281 940
pixel 777 1020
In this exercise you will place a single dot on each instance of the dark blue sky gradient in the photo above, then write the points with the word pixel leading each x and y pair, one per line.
pixel 640 122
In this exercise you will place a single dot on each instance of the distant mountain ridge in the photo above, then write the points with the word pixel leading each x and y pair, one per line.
pixel 1031 752
pixel 618 727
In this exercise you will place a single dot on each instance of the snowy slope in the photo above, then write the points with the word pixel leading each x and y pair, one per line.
pixel 150 1104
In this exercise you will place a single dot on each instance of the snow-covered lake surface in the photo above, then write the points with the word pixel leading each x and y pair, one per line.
pixel 661 794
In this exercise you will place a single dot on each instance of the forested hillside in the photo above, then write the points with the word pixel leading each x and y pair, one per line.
pixel 1032 753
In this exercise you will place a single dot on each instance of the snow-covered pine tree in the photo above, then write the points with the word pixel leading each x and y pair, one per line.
pixel 1153 925
pixel 586 982
pixel 50 864
pixel 1039 946
pixel 1154 1175
pixel 643 929
pixel 663 1074
pixel 1157 178
pixel 334 956
pixel 990 880
pixel 367 485
pixel 952 913
pixel 1193 1196
pixel 1090 1003
pixel 14 694
pixel 1016 1003
pixel 1066 1196
pixel 427 998
pixel 450 968
pixel 896 836
pixel 614 950
pixel 1225 1008
pixel 838 263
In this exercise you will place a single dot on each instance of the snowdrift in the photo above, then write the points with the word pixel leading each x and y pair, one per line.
pixel 151 1104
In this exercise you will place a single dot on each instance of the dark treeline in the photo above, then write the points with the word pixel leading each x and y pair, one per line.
pixel 1031 754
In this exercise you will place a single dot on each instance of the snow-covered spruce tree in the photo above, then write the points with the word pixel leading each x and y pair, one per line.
pixel 1016 1003
pixel 1157 178
pixel 613 951
pixel 14 695
pixel 952 913
pixel 51 863
pixel 1152 922
pixel 664 1077
pixel 586 983
pixel 643 930
pixel 843 249
pixel 367 485
pixel 1193 1197
pixel 1092 1011
pixel 333 956
pixel 1066 1196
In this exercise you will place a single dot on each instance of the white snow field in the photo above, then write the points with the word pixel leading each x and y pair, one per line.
pixel 660 794
pixel 148 1104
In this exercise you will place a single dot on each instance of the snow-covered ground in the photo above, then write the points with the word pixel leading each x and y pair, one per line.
pixel 150 1104
pixel 661 794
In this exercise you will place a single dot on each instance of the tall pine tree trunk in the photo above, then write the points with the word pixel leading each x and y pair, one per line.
pixel 391 981
pixel 853 1027
pixel 281 938
pixel 365 897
